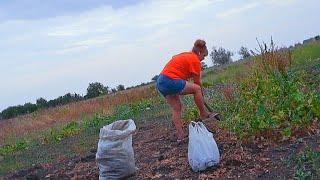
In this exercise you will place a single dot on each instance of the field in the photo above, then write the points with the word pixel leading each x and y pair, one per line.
pixel 270 106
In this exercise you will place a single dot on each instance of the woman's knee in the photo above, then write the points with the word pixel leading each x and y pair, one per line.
pixel 197 88
pixel 191 88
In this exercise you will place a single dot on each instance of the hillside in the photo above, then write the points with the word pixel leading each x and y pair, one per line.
pixel 270 106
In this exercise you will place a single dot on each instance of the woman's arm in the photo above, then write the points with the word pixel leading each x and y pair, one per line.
pixel 197 79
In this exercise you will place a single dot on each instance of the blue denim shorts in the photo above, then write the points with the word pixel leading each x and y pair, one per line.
pixel 167 86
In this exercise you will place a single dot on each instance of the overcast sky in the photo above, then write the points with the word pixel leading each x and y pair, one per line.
pixel 50 48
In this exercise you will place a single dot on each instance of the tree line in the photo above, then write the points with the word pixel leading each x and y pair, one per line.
pixel 94 90
pixel 222 56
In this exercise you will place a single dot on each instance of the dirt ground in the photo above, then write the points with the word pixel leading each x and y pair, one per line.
pixel 159 156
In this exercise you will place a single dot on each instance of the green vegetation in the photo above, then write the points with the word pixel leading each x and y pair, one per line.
pixel 83 135
pixel 11 148
pixel 225 74
pixel 307 165
pixel 41 103
pixel 221 56
pixel 96 89
pixel 273 102
pixel 58 133
pixel 306 54
pixel 190 110
pixel 271 99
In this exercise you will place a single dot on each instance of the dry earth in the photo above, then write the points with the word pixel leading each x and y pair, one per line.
pixel 159 156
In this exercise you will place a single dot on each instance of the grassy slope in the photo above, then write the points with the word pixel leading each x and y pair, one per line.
pixel 81 140
pixel 306 54
pixel 18 127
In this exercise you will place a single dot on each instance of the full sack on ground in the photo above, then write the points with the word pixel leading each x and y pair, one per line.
pixel 203 151
pixel 115 154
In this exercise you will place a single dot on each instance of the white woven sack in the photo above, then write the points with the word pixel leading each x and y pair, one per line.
pixel 115 154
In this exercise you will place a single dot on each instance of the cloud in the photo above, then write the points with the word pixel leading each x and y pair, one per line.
pixel 238 10
pixel 73 34
pixel 251 5
pixel 103 32
pixel 145 14
pixel 82 45
pixel 280 3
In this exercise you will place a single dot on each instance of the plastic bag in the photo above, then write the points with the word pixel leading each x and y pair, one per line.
pixel 203 151
pixel 115 154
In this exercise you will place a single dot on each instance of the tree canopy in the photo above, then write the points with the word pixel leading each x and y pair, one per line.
pixel 220 56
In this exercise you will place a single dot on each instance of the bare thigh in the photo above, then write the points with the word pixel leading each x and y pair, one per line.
pixel 190 88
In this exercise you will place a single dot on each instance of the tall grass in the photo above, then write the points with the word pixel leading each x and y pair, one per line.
pixel 226 74
pixel 272 101
pixel 41 120
pixel 307 54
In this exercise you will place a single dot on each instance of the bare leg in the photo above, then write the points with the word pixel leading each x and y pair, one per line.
pixel 195 89
pixel 175 103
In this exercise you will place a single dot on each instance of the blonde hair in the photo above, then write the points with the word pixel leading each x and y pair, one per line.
pixel 199 46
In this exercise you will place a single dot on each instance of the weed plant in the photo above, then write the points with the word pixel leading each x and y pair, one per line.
pixel 272 101
pixel 307 165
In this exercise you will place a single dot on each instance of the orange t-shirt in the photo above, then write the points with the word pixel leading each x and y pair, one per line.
pixel 183 66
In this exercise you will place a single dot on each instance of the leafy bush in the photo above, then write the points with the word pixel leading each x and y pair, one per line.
pixel 57 134
pixel 70 129
pixel 271 99
pixel 190 111
pixel 11 148
pixel 97 121
pixel 126 111
pixel 206 84
pixel 191 114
